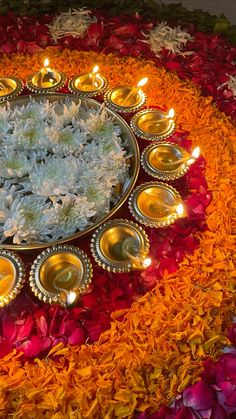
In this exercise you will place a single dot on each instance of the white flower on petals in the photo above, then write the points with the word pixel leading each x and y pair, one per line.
pixel 55 176
pixel 172 39
pixel 74 23
pixel 230 84
pixel 27 220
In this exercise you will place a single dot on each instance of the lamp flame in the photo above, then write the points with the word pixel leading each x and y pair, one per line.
pixel 147 262
pixel 196 153
pixel 142 82
pixel 71 297
pixel 95 69
pixel 46 62
pixel 171 113
pixel 180 209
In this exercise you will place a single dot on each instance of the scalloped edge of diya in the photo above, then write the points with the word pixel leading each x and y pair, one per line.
pixel 39 89
pixel 124 109
pixel 84 93
pixel 150 136
pixel 34 276
pixel 164 174
pixel 19 279
pixel 119 266
pixel 16 91
pixel 148 221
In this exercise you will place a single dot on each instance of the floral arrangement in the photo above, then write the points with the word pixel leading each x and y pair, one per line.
pixel 59 166
pixel 72 23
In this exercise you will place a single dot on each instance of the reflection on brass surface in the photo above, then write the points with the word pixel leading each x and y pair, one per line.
pixel 126 188
pixel 160 160
pixel 10 87
pixel 150 124
pixel 154 204
pixel 117 99
pixel 82 85
pixel 12 275
pixel 107 244
pixel 60 268
pixel 46 81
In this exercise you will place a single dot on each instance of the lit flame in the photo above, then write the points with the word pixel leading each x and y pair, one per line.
pixel 180 209
pixel 95 69
pixel 171 113
pixel 46 62
pixel 71 297
pixel 147 262
pixel 196 153
pixel 142 82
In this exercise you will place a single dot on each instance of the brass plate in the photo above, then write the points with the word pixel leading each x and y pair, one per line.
pixel 160 160
pixel 38 84
pixel 52 262
pixel 126 133
pixel 106 244
pixel 114 97
pixel 81 85
pixel 12 276
pixel 145 204
pixel 10 87
pixel 149 124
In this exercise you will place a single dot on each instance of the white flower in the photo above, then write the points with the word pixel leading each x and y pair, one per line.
pixel 15 165
pixel 65 141
pixel 6 200
pixel 55 176
pixel 5 125
pixel 69 214
pixel 26 135
pixel 27 220
pixel 74 23
pixel 172 39
pixel 231 84
pixel 99 124
pixel 37 111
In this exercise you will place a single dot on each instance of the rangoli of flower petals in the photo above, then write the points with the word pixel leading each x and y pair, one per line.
pixel 156 351
pixel 72 23
pixel 171 39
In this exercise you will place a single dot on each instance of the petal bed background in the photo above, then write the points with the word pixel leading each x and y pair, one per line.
pixel 161 343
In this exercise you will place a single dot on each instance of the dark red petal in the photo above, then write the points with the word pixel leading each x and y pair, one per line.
pixel 199 396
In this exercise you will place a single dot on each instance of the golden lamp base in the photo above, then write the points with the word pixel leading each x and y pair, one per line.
pixel 121 100
pixel 10 87
pixel 12 276
pixel 84 85
pixel 47 82
pixel 152 125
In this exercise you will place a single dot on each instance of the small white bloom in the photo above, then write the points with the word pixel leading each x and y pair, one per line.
pixel 26 135
pixel 231 84
pixel 99 124
pixel 15 165
pixel 172 39
pixel 74 23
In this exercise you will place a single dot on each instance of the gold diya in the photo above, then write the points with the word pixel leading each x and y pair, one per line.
pixel 153 124
pixel 12 276
pixel 126 99
pixel 46 80
pixel 60 274
pixel 89 84
pixel 156 204
pixel 120 246
pixel 165 160
pixel 10 87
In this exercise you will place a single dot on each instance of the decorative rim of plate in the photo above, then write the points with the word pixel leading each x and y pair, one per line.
pixel 17 91
pixel 157 173
pixel 116 108
pixel 83 93
pixel 127 186
pixel 149 137
pixel 20 276
pixel 46 90
pixel 117 267
pixel 34 279
pixel 148 222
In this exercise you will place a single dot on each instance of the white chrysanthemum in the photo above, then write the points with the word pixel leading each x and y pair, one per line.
pixel 172 39
pixel 231 84
pixel 55 176
pixel 27 220
pixel 69 214
pixel 5 125
pixel 26 135
pixel 65 141
pixel 99 124
pixel 6 200
pixel 74 23
pixel 37 111
pixel 15 165
pixel 67 113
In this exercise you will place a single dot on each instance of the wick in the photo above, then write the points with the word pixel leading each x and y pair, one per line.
pixel 65 275
pixel 131 244
pixel 2 87
pixel 155 205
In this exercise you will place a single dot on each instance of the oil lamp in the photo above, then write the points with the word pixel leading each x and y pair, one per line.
pixel 126 99
pixel 121 246
pixel 10 87
pixel 89 84
pixel 12 276
pixel 152 124
pixel 46 80
pixel 60 274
